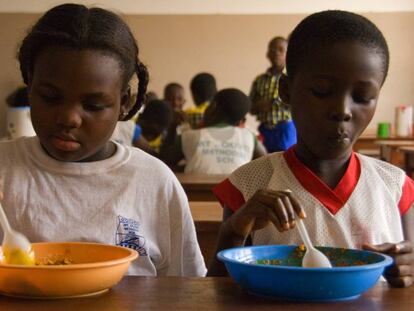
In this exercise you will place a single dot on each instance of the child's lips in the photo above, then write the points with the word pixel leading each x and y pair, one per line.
pixel 65 144
pixel 340 138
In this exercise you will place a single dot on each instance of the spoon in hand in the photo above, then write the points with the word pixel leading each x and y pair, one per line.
pixel 17 249
pixel 313 258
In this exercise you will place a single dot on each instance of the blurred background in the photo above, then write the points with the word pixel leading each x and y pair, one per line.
pixel 228 38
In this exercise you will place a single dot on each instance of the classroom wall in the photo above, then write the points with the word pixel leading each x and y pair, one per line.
pixel 232 47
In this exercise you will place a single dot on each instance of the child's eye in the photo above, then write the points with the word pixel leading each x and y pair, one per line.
pixel 321 93
pixel 362 99
pixel 93 106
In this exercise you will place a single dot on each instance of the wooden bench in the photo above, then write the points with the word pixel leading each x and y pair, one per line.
pixel 207 219
pixel 198 187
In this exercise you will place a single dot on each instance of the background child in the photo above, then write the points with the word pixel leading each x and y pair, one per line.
pixel 154 122
pixel 174 95
pixel 71 183
pixel 336 64
pixel 276 127
pixel 221 146
pixel 203 88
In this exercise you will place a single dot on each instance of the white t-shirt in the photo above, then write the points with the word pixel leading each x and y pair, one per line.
pixel 217 150
pixel 365 207
pixel 124 132
pixel 130 199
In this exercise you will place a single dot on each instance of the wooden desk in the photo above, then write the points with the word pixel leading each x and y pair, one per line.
pixel 198 187
pixel 390 150
pixel 174 293
pixel 366 143
pixel 207 218
pixel 408 154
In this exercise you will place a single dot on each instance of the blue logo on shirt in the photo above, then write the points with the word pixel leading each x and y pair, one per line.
pixel 127 235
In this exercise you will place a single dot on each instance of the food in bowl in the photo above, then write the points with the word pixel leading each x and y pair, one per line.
pixel 339 257
pixel 94 268
pixel 294 282
pixel 54 260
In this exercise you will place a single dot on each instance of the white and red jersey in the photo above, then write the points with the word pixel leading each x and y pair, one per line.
pixel 365 207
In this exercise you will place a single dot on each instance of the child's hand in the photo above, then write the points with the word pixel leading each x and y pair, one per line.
pixel 400 274
pixel 277 207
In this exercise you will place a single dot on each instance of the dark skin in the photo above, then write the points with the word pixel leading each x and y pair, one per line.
pixel 175 96
pixel 76 100
pixel 333 97
pixel 276 54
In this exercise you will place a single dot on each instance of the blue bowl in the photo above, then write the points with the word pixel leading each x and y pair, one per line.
pixel 353 272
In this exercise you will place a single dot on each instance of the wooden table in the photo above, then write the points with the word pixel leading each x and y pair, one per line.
pixel 390 150
pixel 408 153
pixel 366 143
pixel 174 293
pixel 207 218
pixel 198 187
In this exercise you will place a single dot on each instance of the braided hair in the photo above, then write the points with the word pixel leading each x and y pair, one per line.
pixel 77 27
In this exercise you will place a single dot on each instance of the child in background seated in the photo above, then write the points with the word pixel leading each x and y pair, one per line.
pixel 174 95
pixel 203 88
pixel 154 122
pixel 220 147
pixel 129 133
pixel 70 182
pixel 337 63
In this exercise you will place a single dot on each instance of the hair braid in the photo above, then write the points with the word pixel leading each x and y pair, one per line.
pixel 143 79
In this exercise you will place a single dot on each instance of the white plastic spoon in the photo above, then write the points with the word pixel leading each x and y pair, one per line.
pixel 313 258
pixel 17 249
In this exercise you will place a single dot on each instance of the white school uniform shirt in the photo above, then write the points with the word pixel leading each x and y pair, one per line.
pixel 365 207
pixel 130 199
pixel 124 132
pixel 217 150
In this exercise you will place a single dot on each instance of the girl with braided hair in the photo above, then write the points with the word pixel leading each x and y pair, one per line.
pixel 71 182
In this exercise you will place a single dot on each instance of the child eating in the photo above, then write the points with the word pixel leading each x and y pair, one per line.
pixel 337 63
pixel 71 182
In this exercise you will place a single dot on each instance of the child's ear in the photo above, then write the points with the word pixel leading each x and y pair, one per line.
pixel 284 89
pixel 126 104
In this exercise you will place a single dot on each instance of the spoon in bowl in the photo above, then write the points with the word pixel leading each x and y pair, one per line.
pixel 16 248
pixel 313 258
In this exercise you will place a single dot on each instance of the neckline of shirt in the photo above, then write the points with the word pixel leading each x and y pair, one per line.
pixel 332 199
pixel 38 156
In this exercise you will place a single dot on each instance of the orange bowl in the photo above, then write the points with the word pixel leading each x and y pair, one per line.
pixel 93 270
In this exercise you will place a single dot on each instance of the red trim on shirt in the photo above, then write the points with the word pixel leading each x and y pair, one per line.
pixel 407 197
pixel 334 199
pixel 229 195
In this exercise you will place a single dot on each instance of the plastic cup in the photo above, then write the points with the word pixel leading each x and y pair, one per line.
pixel 383 130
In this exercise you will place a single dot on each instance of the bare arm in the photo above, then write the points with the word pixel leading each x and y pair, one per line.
pixel 408 225
pixel 143 144
pixel 263 208
pixel 400 274
pixel 225 240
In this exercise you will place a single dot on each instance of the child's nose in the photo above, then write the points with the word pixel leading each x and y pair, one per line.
pixel 69 116
pixel 341 111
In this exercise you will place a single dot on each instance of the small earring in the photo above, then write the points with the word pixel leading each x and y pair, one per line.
pixel 124 114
